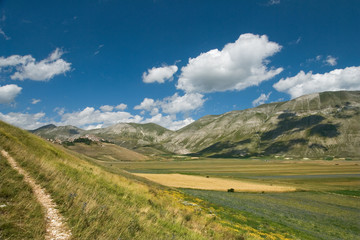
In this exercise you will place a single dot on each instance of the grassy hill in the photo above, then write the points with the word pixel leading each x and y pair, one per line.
pixel 107 152
pixel 97 204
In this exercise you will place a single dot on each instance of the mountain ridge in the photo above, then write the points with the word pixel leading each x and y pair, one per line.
pixel 313 125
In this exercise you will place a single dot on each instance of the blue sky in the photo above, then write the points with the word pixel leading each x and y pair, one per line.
pixel 95 63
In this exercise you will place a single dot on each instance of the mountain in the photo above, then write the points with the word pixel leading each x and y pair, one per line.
pixel 62 132
pixel 144 138
pixel 314 125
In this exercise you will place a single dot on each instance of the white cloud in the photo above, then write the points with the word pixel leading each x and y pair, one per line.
pixel 90 117
pixel 330 60
pixel 15 60
pixel 28 68
pixel 305 83
pixel 168 121
pixel 106 108
pixel 186 103
pixel 261 99
pixel 237 66
pixel 4 35
pixel 121 106
pixel 160 74
pixel 8 93
pixel 35 101
pixel 147 104
pixel 173 104
pixel 24 120
pixel 60 111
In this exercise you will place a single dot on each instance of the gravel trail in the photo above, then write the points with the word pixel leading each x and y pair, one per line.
pixel 55 227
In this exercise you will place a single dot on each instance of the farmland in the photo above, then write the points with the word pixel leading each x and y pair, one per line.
pixel 324 206
pixel 199 182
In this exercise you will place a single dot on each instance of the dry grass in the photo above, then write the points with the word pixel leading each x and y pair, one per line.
pixel 218 184
pixel 107 152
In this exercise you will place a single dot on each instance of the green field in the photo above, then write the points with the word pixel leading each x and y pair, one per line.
pixel 326 205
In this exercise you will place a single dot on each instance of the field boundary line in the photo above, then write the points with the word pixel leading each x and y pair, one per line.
pixel 55 227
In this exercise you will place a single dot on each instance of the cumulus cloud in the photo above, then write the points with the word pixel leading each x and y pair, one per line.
pixel 89 116
pixel 147 104
pixel 261 99
pixel 330 60
pixel 305 83
pixel 160 74
pixel 8 93
pixel 24 120
pixel 186 103
pixel 15 60
pixel 237 66
pixel 27 67
pixel 106 108
pixel 173 104
pixel 121 106
pixel 35 101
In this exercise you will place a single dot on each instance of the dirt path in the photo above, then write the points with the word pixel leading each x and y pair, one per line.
pixel 55 228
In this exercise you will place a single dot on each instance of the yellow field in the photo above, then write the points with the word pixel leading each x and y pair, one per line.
pixel 218 184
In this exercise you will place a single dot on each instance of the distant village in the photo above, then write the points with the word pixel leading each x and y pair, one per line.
pixel 85 139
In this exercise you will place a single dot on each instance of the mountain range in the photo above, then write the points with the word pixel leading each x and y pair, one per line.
pixel 323 124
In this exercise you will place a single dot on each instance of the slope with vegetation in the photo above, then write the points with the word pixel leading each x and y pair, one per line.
pixel 316 125
pixel 96 203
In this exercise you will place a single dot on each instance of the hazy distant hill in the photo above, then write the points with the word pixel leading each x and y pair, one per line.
pixel 315 125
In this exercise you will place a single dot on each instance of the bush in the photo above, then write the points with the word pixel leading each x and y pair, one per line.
pixel 231 190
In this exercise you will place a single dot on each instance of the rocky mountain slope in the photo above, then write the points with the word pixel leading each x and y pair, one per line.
pixel 315 125
pixel 321 124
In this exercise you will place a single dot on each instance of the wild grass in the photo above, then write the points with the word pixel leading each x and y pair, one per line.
pixel 102 205
pixel 107 152
pixel 22 217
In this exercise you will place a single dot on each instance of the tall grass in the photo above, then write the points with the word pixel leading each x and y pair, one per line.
pixel 21 216
pixel 102 205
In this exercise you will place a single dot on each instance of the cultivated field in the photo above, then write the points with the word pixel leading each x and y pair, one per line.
pixel 206 183
pixel 325 205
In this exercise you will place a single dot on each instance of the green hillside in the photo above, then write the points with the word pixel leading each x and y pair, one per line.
pixel 96 203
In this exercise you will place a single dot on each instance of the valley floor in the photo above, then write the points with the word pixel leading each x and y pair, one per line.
pixel 325 205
